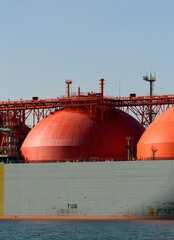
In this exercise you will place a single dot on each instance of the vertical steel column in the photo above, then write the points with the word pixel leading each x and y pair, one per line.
pixel 68 82
pixel 101 87
pixel 78 91
pixel 150 80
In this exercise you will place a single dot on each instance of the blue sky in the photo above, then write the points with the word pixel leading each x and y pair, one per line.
pixel 45 42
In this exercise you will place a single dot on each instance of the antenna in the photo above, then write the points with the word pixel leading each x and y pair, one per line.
pixel 151 80
pixel 119 87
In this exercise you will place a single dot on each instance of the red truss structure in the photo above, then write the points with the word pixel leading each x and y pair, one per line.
pixel 15 114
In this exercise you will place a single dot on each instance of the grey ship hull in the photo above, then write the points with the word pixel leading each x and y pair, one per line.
pixel 115 190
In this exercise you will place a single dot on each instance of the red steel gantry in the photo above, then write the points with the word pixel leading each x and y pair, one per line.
pixel 15 114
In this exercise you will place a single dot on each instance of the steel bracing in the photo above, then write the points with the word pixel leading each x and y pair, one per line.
pixel 19 114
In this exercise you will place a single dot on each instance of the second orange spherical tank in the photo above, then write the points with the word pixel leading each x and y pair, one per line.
pixel 158 139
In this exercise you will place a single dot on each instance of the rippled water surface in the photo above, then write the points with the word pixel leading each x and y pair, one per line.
pixel 95 230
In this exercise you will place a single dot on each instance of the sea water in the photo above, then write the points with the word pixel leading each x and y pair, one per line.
pixel 93 230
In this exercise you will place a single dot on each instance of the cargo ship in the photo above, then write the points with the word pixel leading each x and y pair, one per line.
pixel 83 164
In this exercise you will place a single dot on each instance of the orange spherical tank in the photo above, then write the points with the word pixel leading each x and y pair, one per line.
pixel 72 134
pixel 158 138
